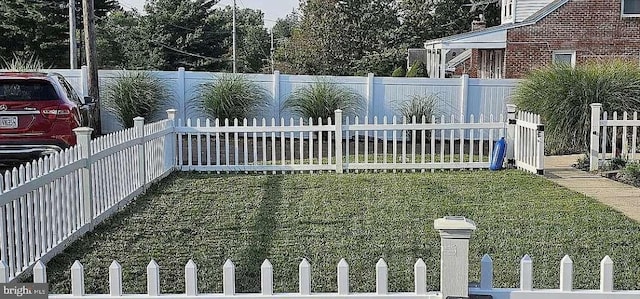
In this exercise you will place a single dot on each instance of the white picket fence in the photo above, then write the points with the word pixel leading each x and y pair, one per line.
pixel 612 136
pixel 229 280
pixel 47 204
pixel 565 290
pixel 303 147
pixel 342 145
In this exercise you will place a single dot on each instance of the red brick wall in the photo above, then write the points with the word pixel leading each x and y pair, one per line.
pixel 469 66
pixel 593 28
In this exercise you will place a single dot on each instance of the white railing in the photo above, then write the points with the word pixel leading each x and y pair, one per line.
pixel 615 137
pixel 48 203
pixel 565 291
pixel 330 145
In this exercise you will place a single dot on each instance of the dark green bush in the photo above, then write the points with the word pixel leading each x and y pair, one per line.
pixel 232 96
pixel 399 72
pixel 134 94
pixel 417 70
pixel 562 94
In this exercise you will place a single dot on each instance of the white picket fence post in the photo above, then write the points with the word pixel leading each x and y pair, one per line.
pixel 170 141
pixel 455 232
pixel 338 134
pixel 511 134
pixel 138 124
pixel 83 136
pixel 594 149
pixel 540 147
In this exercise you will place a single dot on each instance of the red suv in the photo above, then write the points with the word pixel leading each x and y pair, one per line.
pixel 38 112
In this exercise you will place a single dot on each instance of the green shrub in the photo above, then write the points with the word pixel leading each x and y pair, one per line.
pixel 321 99
pixel 631 173
pixel 232 96
pixel 399 72
pixel 134 94
pixel 562 94
pixel 417 70
pixel 23 63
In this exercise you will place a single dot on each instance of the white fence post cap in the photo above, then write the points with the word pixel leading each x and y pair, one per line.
pixel 83 130
pixel 454 227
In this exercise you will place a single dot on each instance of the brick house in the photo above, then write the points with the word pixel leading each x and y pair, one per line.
pixel 534 33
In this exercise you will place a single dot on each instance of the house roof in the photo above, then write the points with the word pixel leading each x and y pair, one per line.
pixel 492 37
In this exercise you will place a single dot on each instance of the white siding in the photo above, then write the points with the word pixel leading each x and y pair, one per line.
pixel 525 8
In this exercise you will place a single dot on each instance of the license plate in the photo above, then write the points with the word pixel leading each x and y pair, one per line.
pixel 8 122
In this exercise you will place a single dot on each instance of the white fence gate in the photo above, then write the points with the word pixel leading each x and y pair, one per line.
pixel 612 137
pixel 529 142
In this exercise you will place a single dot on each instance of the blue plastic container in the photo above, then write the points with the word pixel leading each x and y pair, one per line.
pixel 497 157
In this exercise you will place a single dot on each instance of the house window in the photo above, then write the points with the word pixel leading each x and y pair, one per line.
pixel 568 57
pixel 631 8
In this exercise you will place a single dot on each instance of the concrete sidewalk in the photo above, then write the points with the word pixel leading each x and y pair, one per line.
pixel 621 197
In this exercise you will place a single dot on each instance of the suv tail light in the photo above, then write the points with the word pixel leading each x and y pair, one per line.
pixel 56 112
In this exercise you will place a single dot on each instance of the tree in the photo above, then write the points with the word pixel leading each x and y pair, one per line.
pixel 333 35
pixel 40 28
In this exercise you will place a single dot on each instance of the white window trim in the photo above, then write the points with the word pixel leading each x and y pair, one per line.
pixel 564 52
pixel 624 15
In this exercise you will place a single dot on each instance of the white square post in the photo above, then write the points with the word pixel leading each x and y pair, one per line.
pixel 83 135
pixel 455 232
pixel 511 135
pixel 594 149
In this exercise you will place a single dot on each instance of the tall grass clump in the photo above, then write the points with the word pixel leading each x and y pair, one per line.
pixel 23 63
pixel 418 105
pixel 562 94
pixel 321 99
pixel 134 94
pixel 232 96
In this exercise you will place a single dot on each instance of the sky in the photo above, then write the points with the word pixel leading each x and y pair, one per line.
pixel 272 9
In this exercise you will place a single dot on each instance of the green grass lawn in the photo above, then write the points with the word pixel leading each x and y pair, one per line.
pixel 361 217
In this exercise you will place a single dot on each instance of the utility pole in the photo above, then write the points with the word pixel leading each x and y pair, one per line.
pixel 234 36
pixel 88 18
pixel 73 50
pixel 273 49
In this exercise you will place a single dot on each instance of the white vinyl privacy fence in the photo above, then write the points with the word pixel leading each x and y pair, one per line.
pixel 462 96
pixel 613 135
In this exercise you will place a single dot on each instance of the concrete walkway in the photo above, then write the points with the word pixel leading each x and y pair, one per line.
pixel 619 196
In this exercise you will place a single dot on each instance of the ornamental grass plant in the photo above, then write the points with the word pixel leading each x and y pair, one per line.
pixel 562 95
pixel 232 96
pixel 133 94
